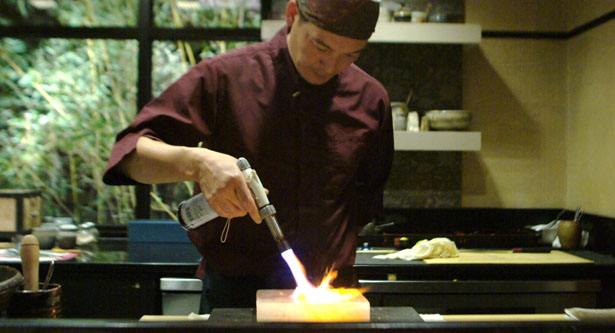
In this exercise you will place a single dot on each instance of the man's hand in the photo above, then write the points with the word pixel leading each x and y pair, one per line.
pixel 223 184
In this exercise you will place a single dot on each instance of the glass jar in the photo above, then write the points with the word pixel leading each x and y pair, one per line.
pixel 403 14
pixel 87 234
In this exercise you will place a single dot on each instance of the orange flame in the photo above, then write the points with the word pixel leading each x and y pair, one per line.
pixel 306 292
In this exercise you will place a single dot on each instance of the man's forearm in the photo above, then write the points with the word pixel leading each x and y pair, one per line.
pixel 220 180
pixel 156 162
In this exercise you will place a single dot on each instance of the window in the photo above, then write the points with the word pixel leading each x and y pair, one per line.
pixel 62 102
pixel 74 73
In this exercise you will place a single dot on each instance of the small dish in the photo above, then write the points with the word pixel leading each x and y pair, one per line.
pixel 448 119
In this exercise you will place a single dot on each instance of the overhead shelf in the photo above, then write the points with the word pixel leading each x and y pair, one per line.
pixel 403 32
pixel 437 141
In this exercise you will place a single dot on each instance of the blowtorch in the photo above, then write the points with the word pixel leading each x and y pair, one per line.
pixel 265 208
pixel 196 211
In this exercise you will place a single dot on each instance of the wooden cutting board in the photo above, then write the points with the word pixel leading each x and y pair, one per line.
pixel 508 317
pixel 508 257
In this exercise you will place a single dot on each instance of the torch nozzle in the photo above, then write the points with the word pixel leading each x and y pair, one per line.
pixel 276 232
pixel 265 208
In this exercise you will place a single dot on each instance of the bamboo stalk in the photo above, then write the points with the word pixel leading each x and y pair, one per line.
pixel 180 44
pixel 74 186
pixel 162 205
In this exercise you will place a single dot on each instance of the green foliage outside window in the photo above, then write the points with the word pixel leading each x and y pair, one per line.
pixel 63 101
pixel 72 13
pixel 207 13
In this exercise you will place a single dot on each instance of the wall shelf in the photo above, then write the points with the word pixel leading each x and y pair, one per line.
pixel 402 32
pixel 437 141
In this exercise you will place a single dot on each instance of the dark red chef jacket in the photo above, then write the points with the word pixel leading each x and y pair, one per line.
pixel 323 152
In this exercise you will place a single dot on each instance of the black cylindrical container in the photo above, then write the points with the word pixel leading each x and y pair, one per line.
pixel 36 304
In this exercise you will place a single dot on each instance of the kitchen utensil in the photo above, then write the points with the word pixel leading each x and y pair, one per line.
pixel 569 233
pixel 44 303
pixel 49 274
pixel 448 119
pixel 577 215
pixel 10 280
pixel 409 97
pixel 29 262
pixel 34 300
pixel 531 250
pixel 279 306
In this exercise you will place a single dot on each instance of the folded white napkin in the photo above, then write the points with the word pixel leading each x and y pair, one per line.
pixel 435 248
pixel 194 316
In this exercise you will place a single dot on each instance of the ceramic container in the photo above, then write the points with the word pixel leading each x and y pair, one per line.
pixel 46 235
pixel 400 115
pixel 569 233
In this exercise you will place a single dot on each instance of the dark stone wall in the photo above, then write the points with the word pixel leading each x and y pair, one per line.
pixel 431 74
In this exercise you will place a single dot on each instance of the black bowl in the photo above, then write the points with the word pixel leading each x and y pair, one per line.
pixel 10 280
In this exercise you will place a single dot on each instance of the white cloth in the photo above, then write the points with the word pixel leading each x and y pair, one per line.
pixel 435 248
pixel 194 316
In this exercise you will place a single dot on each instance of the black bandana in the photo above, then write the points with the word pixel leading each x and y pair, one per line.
pixel 349 18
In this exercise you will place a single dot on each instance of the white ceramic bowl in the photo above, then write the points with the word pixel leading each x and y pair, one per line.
pixel 448 119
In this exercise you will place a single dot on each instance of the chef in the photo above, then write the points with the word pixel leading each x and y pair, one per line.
pixel 315 127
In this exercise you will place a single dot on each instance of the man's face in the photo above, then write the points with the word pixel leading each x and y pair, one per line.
pixel 318 54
